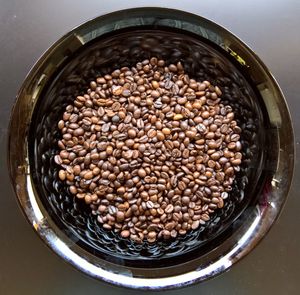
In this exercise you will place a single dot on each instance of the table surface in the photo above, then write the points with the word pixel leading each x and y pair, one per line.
pixel 28 28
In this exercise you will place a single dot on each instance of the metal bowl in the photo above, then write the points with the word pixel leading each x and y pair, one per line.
pixel 208 52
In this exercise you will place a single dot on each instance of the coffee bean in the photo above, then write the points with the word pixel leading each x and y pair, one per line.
pixel 158 104
pixel 61 124
pixel 115 119
pixel 140 123
pixel 105 127
pixel 151 236
pixel 160 135
pixel 125 233
pixel 155 84
pixel 142 173
pixel 236 162
pixel 238 146
pixel 129 142
pixel 149 204
pixel 178 117
pixel 166 131
pixel 131 133
pixel 172 68
pixel 169 209
pixel 170 225
pixel 88 175
pixel 185 200
pixel 229 171
pixel 151 133
pixel 190 133
pixel 120 216
pixel 62 175
pixel 231 145
pixel 155 94
pixel 195 224
pixel 116 90
pixel 201 128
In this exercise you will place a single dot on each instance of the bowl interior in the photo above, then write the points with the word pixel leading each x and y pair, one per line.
pixel 202 60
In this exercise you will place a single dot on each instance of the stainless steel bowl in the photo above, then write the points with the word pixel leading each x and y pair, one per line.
pixel 206 49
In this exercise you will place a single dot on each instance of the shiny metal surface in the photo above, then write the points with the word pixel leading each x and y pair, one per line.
pixel 211 286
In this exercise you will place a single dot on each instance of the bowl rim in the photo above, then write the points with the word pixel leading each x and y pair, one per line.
pixel 248 235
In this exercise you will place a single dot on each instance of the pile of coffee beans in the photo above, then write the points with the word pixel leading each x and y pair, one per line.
pixel 152 151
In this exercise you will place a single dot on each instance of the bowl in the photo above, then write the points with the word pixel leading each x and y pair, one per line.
pixel 208 52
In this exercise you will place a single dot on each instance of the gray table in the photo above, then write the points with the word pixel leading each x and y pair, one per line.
pixel 28 28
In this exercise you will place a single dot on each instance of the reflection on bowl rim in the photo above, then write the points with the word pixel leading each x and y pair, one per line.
pixel 248 234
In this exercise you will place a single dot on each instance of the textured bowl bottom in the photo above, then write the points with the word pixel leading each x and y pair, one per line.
pixel 202 61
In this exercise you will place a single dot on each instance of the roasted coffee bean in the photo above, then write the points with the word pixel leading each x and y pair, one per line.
pixel 152 150
pixel 142 173
pixel 131 133
pixel 169 209
pixel 62 175
pixel 125 233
